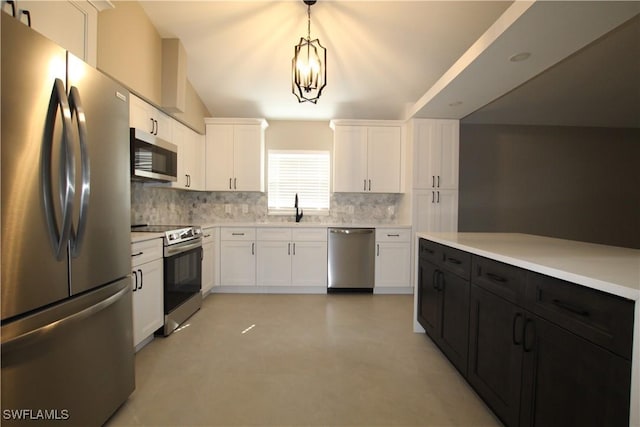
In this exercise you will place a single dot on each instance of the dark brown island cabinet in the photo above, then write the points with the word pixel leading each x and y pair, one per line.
pixel 540 351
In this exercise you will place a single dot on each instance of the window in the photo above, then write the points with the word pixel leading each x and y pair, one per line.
pixel 305 173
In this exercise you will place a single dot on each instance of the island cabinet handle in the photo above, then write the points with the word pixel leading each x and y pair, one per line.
pixel 454 261
pixel 571 307
pixel 137 254
pixel 237 234
pixel 496 278
pixel 393 235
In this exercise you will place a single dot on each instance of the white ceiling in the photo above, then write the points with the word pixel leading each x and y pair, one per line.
pixel 385 59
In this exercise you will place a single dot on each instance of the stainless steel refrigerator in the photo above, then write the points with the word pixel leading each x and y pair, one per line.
pixel 66 337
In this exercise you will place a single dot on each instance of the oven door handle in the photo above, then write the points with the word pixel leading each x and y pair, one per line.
pixel 177 249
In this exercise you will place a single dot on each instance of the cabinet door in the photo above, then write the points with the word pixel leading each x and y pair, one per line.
pixel 350 159
pixel 71 24
pixel 569 381
pixel 164 125
pixel 436 210
pixel 219 158
pixel 237 263
pixel 428 298
pixel 454 330
pixel 495 353
pixel 139 114
pixel 196 166
pixel 392 264
pixel 446 213
pixel 384 162
pixel 309 263
pixel 436 147
pixel 208 267
pixel 248 158
pixel 448 159
pixel 147 283
pixel 424 136
pixel 274 263
pixel 179 134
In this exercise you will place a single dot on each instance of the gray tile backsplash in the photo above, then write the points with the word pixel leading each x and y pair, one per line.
pixel 157 205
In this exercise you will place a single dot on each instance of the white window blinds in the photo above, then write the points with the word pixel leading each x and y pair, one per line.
pixel 303 172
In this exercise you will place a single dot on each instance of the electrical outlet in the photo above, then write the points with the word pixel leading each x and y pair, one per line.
pixel 245 208
pixel 391 210
pixel 227 208
pixel 350 209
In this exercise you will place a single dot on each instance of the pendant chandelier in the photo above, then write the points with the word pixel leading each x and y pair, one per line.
pixel 309 65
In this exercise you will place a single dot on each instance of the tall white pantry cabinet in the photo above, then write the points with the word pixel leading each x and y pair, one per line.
pixel 435 174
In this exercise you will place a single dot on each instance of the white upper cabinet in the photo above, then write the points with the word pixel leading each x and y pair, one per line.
pixel 235 154
pixel 145 116
pixel 71 24
pixel 367 156
pixel 190 157
pixel 436 145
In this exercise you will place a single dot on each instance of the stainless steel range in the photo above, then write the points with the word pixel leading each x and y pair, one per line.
pixel 182 271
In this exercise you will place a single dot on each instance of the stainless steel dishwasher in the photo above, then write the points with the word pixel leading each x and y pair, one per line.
pixel 351 259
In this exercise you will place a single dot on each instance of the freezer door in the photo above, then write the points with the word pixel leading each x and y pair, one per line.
pixel 100 246
pixel 74 362
pixel 32 276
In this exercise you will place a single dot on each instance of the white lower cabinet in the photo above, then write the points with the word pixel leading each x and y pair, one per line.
pixel 237 256
pixel 292 257
pixel 393 259
pixel 146 282
pixel 209 259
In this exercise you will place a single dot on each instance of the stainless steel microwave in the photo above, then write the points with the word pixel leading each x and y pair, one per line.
pixel 152 158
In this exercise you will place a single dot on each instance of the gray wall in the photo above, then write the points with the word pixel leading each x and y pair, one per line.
pixel 577 183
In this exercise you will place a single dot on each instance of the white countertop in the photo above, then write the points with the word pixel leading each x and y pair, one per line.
pixel 610 269
pixel 301 224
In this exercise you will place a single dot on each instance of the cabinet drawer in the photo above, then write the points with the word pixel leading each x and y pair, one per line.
pixel 456 261
pixel 430 251
pixel 601 318
pixel 143 252
pixel 310 234
pixel 239 233
pixel 275 234
pixel 393 235
pixel 209 235
pixel 502 279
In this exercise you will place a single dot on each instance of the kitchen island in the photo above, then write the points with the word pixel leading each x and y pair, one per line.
pixel 537 266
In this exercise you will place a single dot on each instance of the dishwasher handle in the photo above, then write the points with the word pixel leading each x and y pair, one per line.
pixel 351 230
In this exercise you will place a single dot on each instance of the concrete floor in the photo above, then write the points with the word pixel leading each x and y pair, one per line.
pixel 295 360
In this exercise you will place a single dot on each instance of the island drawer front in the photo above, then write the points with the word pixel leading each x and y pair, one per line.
pixel 501 279
pixel 604 319
pixel 237 233
pixel 430 251
pixel 456 261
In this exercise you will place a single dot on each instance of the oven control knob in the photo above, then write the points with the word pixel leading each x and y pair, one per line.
pixel 173 236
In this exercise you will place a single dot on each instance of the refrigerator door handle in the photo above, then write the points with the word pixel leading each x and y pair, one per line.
pixel 58 236
pixel 77 236
pixel 47 329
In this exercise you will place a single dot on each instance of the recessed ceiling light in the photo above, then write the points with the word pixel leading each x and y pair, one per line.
pixel 522 56
pixel 455 104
